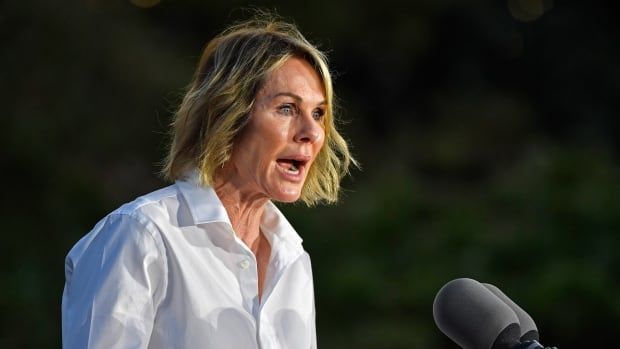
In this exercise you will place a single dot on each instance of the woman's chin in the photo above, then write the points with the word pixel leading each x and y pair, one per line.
pixel 287 199
pixel 287 195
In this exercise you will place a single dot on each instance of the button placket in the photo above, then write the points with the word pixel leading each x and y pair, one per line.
pixel 247 281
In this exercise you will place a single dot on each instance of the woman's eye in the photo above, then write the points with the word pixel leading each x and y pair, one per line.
pixel 286 109
pixel 318 114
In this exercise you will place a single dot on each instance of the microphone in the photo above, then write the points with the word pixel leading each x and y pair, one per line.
pixel 474 317
pixel 529 332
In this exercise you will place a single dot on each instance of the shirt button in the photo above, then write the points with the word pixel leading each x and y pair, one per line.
pixel 244 264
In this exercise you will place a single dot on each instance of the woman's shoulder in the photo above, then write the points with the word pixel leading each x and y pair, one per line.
pixel 135 223
pixel 149 204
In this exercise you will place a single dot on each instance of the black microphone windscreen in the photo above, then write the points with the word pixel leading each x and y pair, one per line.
pixel 529 332
pixel 472 316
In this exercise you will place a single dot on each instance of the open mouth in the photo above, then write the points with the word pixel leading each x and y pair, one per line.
pixel 292 166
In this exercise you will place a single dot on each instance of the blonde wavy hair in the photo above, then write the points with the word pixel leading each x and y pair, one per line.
pixel 232 69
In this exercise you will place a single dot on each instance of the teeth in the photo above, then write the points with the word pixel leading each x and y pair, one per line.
pixel 293 168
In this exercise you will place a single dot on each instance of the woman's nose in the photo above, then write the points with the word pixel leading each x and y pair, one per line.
pixel 309 130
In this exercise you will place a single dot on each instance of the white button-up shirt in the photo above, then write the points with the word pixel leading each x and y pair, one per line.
pixel 167 271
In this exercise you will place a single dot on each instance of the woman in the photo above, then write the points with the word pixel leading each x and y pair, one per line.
pixel 210 262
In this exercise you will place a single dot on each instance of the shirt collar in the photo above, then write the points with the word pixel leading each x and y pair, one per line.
pixel 205 207
pixel 203 203
pixel 274 224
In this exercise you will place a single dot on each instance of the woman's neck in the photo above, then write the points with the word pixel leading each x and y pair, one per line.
pixel 245 211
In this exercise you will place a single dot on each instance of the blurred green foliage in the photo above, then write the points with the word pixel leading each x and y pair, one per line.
pixel 488 133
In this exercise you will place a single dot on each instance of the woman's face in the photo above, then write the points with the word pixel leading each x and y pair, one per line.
pixel 284 134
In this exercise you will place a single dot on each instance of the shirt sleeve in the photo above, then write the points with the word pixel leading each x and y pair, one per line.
pixel 313 341
pixel 313 328
pixel 115 280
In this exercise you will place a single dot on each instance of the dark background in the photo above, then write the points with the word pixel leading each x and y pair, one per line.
pixel 488 133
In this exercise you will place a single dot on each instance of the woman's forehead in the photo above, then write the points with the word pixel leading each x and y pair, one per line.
pixel 295 78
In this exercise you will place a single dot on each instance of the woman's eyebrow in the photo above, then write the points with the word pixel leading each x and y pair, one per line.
pixel 294 96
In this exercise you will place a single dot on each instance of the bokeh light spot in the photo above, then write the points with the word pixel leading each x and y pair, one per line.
pixel 145 3
pixel 528 10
